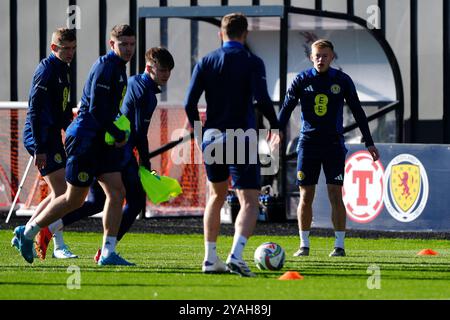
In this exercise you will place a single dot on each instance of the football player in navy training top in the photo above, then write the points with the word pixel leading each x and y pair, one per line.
pixel 88 155
pixel 322 91
pixel 234 82
pixel 49 112
pixel 138 106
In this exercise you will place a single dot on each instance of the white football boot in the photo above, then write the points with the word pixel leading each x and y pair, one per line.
pixel 239 267
pixel 217 267
pixel 63 253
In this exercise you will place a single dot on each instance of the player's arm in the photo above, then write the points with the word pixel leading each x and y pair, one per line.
pixel 142 118
pixel 261 97
pixel 290 102
pixel 195 90
pixel 103 107
pixel 40 98
pixel 351 96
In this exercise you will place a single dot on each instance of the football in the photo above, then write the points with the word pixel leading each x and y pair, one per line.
pixel 269 256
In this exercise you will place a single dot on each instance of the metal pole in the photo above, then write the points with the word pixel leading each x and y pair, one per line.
pixel 133 25
pixel 282 174
pixel 42 29
pixel 350 7
pixel 414 120
pixel 73 70
pixel 102 8
pixel 318 5
pixel 446 107
pixel 164 38
pixel 142 44
pixel 14 117
pixel 25 174
pixel 382 6
pixel 194 39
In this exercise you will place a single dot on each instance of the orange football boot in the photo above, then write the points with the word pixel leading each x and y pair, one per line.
pixel 41 242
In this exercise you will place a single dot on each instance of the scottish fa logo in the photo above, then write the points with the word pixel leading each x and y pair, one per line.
pixel 335 89
pixel 58 158
pixel 406 192
pixel 83 176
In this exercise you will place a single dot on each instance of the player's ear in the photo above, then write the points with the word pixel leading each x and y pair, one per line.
pixel 111 43
pixel 54 47
pixel 148 68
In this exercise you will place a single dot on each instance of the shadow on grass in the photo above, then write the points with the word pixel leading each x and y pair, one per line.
pixel 116 284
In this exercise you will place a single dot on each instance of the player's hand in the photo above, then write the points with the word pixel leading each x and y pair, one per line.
pixel 120 144
pixel 40 160
pixel 374 153
pixel 274 138
pixel 198 141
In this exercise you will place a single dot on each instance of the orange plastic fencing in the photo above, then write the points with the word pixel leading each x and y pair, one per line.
pixel 166 125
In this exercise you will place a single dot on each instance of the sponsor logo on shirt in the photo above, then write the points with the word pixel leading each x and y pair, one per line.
pixel 103 86
pixel 321 106
pixel 66 96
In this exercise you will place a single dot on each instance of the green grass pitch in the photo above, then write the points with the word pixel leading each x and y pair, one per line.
pixel 169 268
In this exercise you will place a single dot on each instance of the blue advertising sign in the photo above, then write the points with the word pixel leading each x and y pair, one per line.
pixel 408 189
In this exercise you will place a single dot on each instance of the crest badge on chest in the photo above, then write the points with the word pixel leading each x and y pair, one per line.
pixel 335 89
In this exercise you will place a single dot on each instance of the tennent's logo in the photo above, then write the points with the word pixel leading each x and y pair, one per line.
pixel 406 192
pixel 363 187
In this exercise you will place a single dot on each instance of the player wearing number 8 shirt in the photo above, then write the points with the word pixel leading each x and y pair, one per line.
pixel 322 91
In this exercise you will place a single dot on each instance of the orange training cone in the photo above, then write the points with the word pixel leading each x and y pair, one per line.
pixel 291 275
pixel 427 252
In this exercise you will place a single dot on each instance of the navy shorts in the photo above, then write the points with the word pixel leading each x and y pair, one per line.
pixel 56 156
pixel 311 158
pixel 242 165
pixel 89 157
